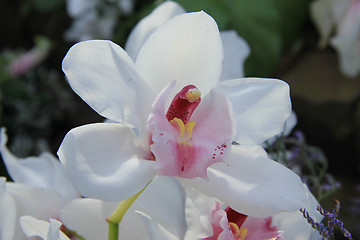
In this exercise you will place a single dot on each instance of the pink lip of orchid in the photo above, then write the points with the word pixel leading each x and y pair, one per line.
pixel 184 147
pixel 230 225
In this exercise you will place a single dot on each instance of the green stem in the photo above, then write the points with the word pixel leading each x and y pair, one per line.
pixel 119 213
pixel 113 231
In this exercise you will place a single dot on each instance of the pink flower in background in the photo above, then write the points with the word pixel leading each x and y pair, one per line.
pixel 30 59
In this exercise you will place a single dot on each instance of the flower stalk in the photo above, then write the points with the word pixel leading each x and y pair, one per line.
pixel 119 213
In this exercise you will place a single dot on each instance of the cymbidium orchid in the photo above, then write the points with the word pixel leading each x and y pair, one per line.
pixel 209 219
pixel 343 18
pixel 40 189
pixel 186 120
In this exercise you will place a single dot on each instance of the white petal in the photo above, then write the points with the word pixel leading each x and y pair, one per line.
pixel 288 127
pixel 164 201
pixel 253 184
pixel 44 171
pixel 8 217
pixel 37 202
pixel 198 215
pixel 160 15
pixel 87 217
pixel 104 76
pixel 187 49
pixel 261 107
pixel 294 225
pixel 33 227
pixel 103 161
pixel 236 50
pixel 20 200
pixel 155 230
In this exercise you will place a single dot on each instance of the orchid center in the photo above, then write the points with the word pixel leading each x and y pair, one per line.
pixel 189 136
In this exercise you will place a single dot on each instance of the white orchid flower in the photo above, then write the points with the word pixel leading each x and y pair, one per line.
pixel 209 219
pixel 176 64
pixel 33 227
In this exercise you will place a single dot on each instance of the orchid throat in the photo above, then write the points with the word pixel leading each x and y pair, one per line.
pixel 179 141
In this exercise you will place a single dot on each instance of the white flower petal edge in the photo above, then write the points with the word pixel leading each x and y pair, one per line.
pixel 104 76
pixel 44 171
pixel 288 127
pixel 187 49
pixel 236 50
pixel 33 227
pixel 295 226
pixel 104 161
pixel 253 184
pixel 149 24
pixel 261 107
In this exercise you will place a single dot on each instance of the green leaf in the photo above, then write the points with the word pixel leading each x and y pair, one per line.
pixel 258 22
pixel 293 14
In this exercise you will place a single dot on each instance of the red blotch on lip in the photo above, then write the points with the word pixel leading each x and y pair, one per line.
pixel 235 217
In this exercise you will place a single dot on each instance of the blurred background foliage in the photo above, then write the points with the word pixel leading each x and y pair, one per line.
pixel 38 107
